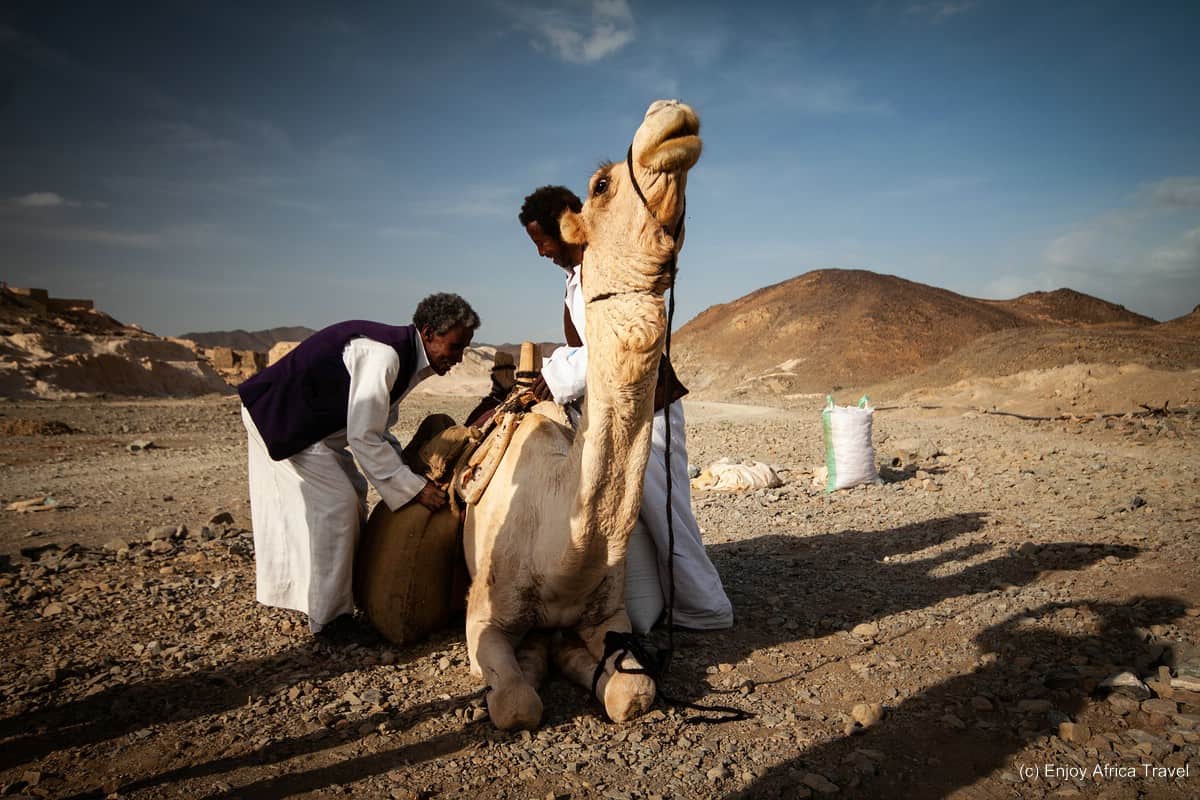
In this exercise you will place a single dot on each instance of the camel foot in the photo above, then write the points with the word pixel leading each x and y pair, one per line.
pixel 628 696
pixel 514 707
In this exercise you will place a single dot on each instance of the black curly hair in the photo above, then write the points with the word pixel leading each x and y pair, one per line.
pixel 443 311
pixel 545 205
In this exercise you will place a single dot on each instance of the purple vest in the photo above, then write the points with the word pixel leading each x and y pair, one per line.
pixel 302 398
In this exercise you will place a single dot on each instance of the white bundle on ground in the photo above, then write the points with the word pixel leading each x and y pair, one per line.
pixel 729 475
pixel 849 454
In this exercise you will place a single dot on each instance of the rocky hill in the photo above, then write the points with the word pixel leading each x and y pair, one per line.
pixel 260 341
pixel 1069 307
pixel 828 329
pixel 50 349
pixel 833 329
pixel 1188 323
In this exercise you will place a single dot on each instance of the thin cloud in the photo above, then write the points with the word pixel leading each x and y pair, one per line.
pixel 1178 258
pixel 186 127
pixel 826 96
pixel 41 200
pixel 1124 257
pixel 51 200
pixel 1178 192
pixel 93 235
pixel 472 201
pixel 188 138
pixel 940 12
pixel 578 32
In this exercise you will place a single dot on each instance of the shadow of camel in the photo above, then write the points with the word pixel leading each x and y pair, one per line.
pixel 805 580
pixel 124 708
pixel 813 586
pixel 939 741
pixel 313 778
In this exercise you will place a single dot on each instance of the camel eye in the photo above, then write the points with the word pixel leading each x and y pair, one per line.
pixel 601 186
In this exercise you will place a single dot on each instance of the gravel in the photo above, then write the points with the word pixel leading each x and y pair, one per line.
pixel 891 640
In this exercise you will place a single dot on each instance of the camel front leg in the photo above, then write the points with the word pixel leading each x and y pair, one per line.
pixel 626 694
pixel 533 656
pixel 512 702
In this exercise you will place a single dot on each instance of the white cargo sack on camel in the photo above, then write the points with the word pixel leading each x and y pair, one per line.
pixel 849 454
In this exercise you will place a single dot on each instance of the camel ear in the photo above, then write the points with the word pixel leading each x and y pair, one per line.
pixel 572 228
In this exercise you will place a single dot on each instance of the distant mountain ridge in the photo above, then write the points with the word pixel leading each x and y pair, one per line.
pixel 834 328
pixel 239 339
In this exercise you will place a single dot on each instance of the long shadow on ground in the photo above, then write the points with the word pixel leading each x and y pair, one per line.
pixel 819 583
pixel 788 588
pixel 925 757
pixel 126 707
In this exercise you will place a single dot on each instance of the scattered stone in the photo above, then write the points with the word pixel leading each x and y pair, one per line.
pixel 951 721
pixel 1034 706
pixel 139 445
pixel 1074 732
pixel 1186 683
pixel 867 714
pixel 162 532
pixel 819 783
pixel 221 518
pixel 1128 684
pixel 1123 704
pixel 866 630
pixel 1160 706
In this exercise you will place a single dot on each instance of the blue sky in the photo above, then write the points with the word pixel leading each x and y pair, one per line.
pixel 200 166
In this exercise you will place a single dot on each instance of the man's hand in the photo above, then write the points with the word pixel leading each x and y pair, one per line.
pixel 431 497
pixel 540 390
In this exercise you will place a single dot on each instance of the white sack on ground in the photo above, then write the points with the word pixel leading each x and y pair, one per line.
pixel 849 454
pixel 729 475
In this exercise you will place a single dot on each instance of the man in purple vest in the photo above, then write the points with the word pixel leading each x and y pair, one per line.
pixel 700 599
pixel 308 417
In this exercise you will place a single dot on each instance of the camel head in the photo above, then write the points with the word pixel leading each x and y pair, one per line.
pixel 631 239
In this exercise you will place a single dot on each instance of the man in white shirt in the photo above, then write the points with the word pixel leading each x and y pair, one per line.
pixel 308 417
pixel 700 600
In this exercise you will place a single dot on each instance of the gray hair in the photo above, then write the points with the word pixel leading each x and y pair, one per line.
pixel 443 311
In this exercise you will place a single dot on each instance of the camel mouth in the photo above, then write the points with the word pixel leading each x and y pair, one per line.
pixel 668 139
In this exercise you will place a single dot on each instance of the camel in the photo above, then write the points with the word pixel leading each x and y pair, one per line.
pixel 546 543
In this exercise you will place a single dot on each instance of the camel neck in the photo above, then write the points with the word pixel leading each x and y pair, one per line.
pixel 613 441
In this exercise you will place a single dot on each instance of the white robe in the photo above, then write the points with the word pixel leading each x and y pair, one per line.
pixel 307 510
pixel 700 600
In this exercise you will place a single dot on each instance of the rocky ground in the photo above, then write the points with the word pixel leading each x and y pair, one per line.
pixel 946 633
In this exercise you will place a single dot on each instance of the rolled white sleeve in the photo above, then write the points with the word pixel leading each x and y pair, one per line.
pixel 565 372
pixel 373 369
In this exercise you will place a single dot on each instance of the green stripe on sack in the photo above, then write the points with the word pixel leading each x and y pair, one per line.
pixel 830 461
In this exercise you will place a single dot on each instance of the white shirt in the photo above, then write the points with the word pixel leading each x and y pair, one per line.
pixel 373 368
pixel 565 372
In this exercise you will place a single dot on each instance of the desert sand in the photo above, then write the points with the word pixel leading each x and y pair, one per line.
pixel 945 633
pixel 1012 611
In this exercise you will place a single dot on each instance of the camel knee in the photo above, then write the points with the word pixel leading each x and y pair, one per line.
pixel 514 706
